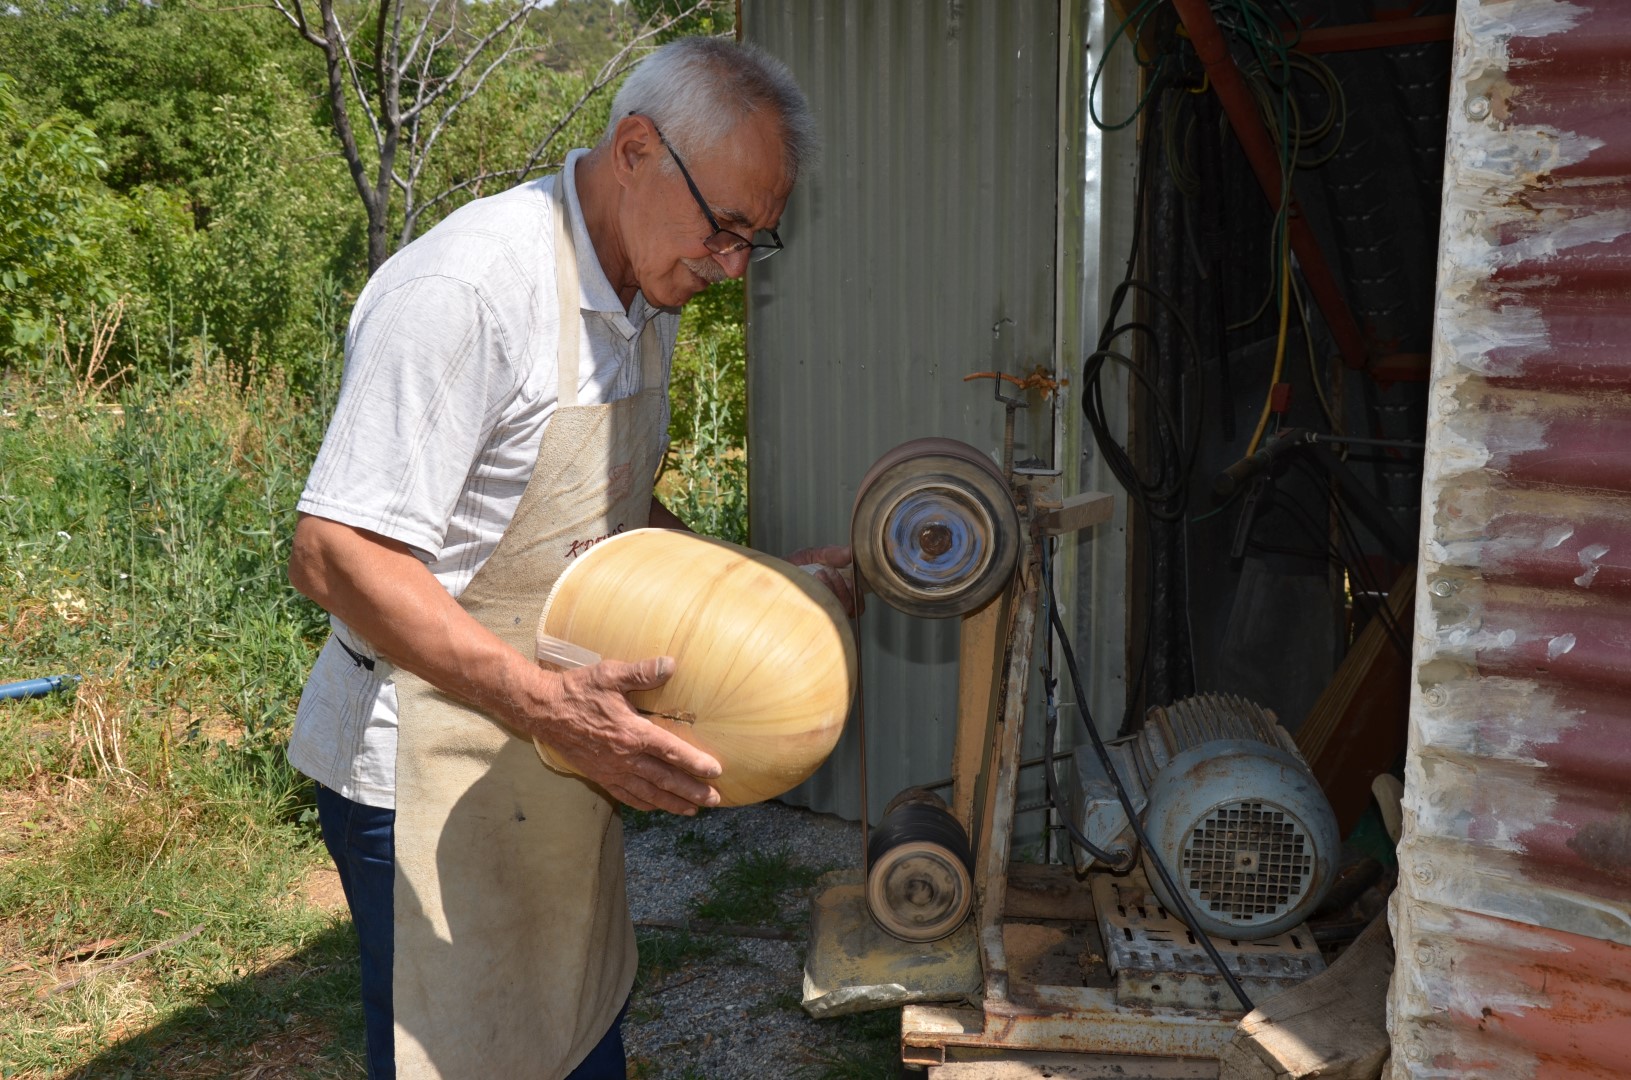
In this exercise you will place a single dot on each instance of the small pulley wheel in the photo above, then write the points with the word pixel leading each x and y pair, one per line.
pixel 919 886
pixel 934 531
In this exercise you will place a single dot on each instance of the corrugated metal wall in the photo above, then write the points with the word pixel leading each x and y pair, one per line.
pixel 1513 916
pixel 923 249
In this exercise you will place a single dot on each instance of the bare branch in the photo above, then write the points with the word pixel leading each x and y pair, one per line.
pixel 379 41
pixel 354 71
pixel 406 58
pixel 470 57
pixel 470 92
pixel 297 19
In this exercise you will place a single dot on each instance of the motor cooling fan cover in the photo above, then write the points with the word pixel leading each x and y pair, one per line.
pixel 1247 835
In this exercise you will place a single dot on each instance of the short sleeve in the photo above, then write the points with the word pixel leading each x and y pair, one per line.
pixel 427 372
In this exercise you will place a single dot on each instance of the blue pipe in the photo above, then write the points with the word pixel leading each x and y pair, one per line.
pixel 31 688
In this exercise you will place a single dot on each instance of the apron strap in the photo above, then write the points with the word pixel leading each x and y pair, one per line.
pixel 567 302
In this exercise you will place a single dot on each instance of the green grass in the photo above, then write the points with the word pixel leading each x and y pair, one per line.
pixel 869 1049
pixel 144 534
pixel 752 888
pixel 696 846
pixel 142 548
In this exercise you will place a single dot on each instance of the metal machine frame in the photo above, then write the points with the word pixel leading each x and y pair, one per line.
pixel 1020 1009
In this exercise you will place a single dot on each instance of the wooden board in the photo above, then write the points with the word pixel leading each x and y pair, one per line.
pixel 1356 730
pixel 1077 1067
pixel 1334 1026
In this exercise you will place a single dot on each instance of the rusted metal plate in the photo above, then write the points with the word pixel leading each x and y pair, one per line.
pixel 1075 1019
pixel 1509 999
pixel 1513 917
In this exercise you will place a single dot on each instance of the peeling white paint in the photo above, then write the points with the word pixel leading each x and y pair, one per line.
pixel 1464 639
pixel 1589 555
pixel 1473 790
pixel 1489 26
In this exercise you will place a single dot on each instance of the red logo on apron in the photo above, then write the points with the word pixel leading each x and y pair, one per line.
pixel 580 546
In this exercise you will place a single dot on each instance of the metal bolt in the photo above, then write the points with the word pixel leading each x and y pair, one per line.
pixel 934 539
pixel 1443 587
pixel 1477 108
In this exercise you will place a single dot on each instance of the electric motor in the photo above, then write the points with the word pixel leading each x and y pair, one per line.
pixel 1230 807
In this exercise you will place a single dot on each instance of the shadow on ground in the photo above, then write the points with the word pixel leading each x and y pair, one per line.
pixel 299 1018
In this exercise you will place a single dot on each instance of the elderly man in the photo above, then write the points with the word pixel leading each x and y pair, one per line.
pixel 505 401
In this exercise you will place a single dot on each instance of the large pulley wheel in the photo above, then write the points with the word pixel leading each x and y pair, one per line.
pixel 919 884
pixel 934 532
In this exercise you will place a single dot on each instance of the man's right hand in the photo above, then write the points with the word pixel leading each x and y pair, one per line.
pixel 382 591
pixel 591 726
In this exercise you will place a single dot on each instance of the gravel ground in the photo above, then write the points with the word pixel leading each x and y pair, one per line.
pixel 735 1014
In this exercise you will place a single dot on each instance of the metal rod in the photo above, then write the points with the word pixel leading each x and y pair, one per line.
pixel 1381 34
pixel 1028 763
pixel 1352 440
pixel 1260 151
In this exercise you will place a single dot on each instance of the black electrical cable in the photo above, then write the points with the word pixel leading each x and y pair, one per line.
pixel 1359 567
pixel 1117 865
pixel 1057 631
pixel 1353 563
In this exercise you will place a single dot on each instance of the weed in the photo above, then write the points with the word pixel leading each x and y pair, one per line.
pixel 640 820
pixel 706 486
pixel 664 952
pixel 750 889
pixel 869 1049
pixel 696 846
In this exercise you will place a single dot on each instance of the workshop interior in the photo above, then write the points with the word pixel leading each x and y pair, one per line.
pixel 1107 328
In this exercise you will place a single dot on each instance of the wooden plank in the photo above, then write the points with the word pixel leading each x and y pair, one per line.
pixel 1077 1067
pixel 1080 511
pixel 979 659
pixel 1356 729
pixel 1334 1026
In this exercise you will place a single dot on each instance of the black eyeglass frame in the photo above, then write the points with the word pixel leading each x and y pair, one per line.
pixel 735 241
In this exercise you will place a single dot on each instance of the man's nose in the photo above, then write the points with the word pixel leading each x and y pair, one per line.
pixel 736 263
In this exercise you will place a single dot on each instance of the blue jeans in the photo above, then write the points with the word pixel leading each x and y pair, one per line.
pixel 360 839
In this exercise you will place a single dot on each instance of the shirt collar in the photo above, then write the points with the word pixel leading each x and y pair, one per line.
pixel 595 292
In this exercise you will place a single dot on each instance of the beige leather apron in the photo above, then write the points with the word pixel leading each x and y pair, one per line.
pixel 514 950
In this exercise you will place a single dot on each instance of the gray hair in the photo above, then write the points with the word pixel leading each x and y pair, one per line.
pixel 696 90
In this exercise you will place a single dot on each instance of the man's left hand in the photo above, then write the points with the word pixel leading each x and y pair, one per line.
pixel 829 565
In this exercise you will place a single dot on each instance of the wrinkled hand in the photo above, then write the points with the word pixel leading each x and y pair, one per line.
pixel 593 728
pixel 828 565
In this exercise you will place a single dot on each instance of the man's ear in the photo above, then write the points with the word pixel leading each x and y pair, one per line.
pixel 634 143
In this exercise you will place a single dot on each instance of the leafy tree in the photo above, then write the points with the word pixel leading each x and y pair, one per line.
pixel 715 18
pixel 52 208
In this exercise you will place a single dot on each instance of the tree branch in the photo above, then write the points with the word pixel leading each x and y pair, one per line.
pixel 342 115
pixel 297 19
pixel 446 84
pixel 354 70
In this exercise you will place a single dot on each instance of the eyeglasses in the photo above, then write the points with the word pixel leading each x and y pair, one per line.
pixel 723 241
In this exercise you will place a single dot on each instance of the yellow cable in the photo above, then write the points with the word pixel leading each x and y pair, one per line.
pixel 1280 348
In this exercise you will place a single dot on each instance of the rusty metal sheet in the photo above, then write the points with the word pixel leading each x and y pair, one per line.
pixel 1075 1019
pixel 1513 917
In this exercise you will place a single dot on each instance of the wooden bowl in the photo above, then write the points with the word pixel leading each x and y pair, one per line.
pixel 765 664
